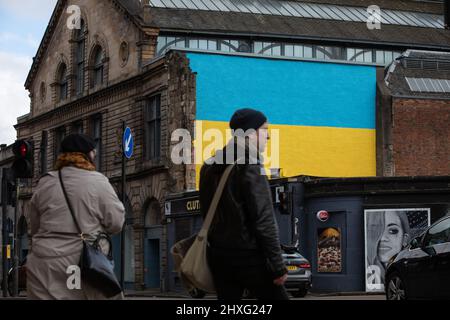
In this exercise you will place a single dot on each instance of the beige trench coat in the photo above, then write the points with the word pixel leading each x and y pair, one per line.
pixel 55 243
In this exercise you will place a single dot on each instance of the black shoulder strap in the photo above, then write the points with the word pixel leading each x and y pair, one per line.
pixel 68 203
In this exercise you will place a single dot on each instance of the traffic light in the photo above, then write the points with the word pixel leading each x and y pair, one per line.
pixel 23 162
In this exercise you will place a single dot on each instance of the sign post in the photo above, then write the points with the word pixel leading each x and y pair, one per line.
pixel 16 263
pixel 127 148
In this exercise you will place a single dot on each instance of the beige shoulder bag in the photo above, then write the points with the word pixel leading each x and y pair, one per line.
pixel 190 254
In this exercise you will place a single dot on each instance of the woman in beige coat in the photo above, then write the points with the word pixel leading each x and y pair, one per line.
pixel 56 246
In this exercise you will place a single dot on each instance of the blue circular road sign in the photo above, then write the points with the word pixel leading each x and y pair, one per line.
pixel 128 143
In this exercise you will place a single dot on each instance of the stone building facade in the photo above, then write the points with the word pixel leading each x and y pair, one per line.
pixel 93 90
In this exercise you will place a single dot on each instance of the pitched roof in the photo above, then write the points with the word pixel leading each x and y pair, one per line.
pixel 404 5
pixel 411 75
pixel 279 26
pixel 325 11
pixel 179 20
pixel 131 7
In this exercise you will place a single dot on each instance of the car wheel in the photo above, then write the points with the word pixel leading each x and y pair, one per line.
pixel 197 293
pixel 300 293
pixel 395 289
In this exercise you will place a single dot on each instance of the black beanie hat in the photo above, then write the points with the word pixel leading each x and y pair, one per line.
pixel 77 143
pixel 246 119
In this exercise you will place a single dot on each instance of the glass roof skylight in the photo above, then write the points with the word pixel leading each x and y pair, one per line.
pixel 428 85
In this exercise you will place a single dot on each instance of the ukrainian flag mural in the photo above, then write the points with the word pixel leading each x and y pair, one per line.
pixel 325 112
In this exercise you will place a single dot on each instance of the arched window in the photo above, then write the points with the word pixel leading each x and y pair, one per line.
pixel 153 214
pixel 62 82
pixel 80 38
pixel 98 67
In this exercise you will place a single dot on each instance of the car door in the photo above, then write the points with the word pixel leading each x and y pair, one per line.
pixel 436 245
pixel 443 271
pixel 418 266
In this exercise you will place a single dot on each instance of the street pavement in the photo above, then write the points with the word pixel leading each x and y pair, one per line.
pixel 139 296
pixel 308 297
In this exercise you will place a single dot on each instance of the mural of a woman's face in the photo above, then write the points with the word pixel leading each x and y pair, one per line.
pixel 392 239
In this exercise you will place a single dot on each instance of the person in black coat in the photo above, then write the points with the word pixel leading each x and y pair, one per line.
pixel 244 246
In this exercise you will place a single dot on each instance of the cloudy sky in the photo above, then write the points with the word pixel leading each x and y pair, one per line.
pixel 22 25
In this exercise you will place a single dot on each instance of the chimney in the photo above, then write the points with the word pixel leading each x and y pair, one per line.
pixel 447 14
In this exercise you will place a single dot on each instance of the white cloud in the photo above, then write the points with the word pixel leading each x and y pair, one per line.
pixel 35 9
pixel 18 42
pixel 14 100
pixel 9 38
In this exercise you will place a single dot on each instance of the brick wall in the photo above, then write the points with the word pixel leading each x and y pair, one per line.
pixel 421 137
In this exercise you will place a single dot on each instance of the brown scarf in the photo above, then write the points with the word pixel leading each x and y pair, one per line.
pixel 74 159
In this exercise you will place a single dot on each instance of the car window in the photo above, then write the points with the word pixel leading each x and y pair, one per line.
pixel 440 233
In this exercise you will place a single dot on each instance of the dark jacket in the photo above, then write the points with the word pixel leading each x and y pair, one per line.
pixel 244 230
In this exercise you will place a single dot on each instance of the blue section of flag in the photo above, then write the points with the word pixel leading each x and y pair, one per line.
pixel 289 92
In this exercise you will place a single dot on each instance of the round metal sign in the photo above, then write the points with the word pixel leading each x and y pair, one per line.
pixel 323 215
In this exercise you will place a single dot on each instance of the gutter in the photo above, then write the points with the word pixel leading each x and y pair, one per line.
pixel 420 97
